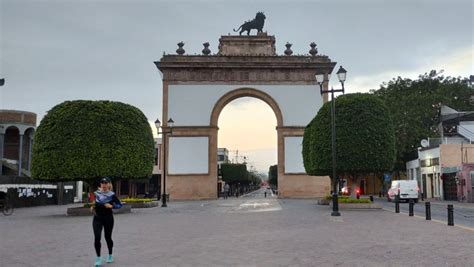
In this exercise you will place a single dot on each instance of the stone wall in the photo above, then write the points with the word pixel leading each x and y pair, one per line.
pixel 14 116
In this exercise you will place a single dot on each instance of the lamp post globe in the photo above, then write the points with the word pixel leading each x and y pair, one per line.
pixel 158 124
pixel 341 74
pixel 320 78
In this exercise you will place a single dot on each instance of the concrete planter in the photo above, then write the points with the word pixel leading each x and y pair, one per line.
pixel 151 204
pixel 323 201
pixel 355 206
pixel 81 211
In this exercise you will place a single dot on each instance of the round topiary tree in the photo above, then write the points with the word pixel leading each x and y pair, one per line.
pixel 85 140
pixel 365 137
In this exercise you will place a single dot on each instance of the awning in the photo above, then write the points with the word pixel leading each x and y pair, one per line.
pixel 450 169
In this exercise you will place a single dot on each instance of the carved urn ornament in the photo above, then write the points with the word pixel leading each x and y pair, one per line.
pixel 180 49
pixel 206 51
pixel 313 51
pixel 288 51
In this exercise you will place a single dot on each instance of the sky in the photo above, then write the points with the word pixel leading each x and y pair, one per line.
pixel 57 50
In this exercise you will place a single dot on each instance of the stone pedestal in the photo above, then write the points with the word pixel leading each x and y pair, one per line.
pixel 236 45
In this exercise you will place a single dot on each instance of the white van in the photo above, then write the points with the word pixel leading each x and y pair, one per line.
pixel 408 189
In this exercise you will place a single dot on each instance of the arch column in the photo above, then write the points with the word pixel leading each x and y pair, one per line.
pixel 20 154
pixel 2 141
pixel 30 150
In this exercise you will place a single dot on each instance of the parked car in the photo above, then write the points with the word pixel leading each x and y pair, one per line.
pixel 407 189
pixel 346 191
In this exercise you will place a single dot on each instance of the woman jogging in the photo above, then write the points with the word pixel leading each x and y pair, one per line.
pixel 105 201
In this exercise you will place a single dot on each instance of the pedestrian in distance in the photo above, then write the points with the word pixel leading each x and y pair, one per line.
pixel 105 201
pixel 226 190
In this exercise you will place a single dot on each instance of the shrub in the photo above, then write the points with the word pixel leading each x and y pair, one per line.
pixel 365 137
pixel 86 140
pixel 329 197
pixel 136 200
pixel 354 200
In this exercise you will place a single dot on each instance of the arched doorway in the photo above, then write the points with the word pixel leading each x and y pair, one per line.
pixel 17 129
pixel 17 150
pixel 247 136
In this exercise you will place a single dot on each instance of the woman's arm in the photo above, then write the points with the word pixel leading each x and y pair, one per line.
pixel 116 202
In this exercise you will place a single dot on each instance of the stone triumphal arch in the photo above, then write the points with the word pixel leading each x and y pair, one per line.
pixel 197 87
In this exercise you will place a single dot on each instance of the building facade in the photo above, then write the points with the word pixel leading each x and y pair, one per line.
pixel 197 87
pixel 222 156
pixel 17 130
pixel 441 161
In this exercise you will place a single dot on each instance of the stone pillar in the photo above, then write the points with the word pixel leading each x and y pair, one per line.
pixel 79 191
pixel 60 193
pixel 20 155
pixel 2 140
pixel 30 150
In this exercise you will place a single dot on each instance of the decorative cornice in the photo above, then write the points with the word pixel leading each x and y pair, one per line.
pixel 244 60
pixel 243 70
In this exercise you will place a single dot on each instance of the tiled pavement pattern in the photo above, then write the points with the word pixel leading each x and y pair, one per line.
pixel 248 231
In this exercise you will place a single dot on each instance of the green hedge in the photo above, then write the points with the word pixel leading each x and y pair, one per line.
pixel 136 200
pixel 234 173
pixel 346 199
pixel 273 175
pixel 354 200
pixel 85 140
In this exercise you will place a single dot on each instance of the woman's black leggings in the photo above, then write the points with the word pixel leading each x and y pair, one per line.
pixel 108 223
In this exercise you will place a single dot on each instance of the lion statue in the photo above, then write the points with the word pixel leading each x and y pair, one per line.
pixel 256 23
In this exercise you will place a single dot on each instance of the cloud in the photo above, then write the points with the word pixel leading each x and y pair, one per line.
pixel 247 123
pixel 457 63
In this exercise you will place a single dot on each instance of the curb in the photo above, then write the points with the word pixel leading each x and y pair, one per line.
pixel 434 220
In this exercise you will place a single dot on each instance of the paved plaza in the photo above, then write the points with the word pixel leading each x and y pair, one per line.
pixel 248 231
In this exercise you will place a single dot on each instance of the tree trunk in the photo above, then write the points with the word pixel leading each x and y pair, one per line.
pixel 60 193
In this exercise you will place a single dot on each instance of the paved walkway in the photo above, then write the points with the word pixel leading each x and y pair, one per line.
pixel 249 231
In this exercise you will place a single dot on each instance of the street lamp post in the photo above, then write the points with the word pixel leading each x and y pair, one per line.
pixel 164 132
pixel 341 74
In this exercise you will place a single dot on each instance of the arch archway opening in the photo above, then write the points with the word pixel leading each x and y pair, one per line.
pixel 247 135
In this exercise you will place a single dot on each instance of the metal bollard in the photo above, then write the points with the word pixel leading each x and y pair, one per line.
pixel 412 203
pixel 397 204
pixel 265 194
pixel 428 210
pixel 371 198
pixel 450 215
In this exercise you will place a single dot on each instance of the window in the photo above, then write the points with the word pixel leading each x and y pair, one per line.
pixel 429 162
